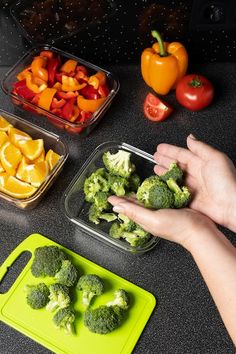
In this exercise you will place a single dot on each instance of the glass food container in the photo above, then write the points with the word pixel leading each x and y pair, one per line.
pixel 78 126
pixel 51 141
pixel 76 208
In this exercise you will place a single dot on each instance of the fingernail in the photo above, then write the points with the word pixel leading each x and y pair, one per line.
pixel 118 208
pixel 192 137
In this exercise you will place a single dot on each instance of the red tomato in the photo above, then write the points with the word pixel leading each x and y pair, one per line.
pixel 156 109
pixel 194 92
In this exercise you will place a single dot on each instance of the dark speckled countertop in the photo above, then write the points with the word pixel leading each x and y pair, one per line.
pixel 185 320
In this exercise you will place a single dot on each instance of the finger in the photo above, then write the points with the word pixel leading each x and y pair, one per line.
pixel 200 149
pixel 159 170
pixel 174 153
pixel 163 160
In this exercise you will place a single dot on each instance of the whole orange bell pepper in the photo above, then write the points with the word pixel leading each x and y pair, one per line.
pixel 163 65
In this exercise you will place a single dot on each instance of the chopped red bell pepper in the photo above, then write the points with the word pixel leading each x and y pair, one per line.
pixel 68 109
pixel 52 65
pixel 103 90
pixel 59 77
pixel 83 69
pixel 35 99
pixel 57 103
pixel 22 90
pixel 67 95
pixel 90 93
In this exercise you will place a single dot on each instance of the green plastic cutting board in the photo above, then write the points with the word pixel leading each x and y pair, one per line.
pixel 38 325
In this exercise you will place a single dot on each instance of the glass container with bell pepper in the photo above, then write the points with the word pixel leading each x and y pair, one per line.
pixel 72 93
pixel 163 65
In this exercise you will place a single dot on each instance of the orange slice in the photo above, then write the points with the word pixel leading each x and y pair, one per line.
pixel 40 158
pixel 34 173
pixel 4 124
pixel 3 179
pixel 3 137
pixel 31 149
pixel 18 189
pixel 52 158
pixel 1 168
pixel 10 157
pixel 16 135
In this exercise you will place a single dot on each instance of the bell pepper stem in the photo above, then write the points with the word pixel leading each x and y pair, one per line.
pixel 157 36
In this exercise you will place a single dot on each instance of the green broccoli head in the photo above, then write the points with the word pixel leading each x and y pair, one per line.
pixel 182 195
pixel 116 230
pixel 108 216
pixel 119 163
pixel 137 237
pixel 59 297
pixel 118 184
pixel 174 172
pixel 47 261
pixel 134 182
pixel 64 319
pixel 121 299
pixel 96 182
pixel 126 224
pixel 95 215
pixel 91 285
pixel 102 320
pixel 68 274
pixel 154 193
pixel 37 296
pixel 100 200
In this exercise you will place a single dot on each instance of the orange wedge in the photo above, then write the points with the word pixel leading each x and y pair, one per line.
pixel 52 158
pixel 3 179
pixel 16 135
pixel 31 149
pixel 10 157
pixel 1 168
pixel 18 189
pixel 34 174
pixel 4 124
pixel 3 137
pixel 40 158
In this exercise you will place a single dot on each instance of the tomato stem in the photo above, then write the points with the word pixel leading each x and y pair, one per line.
pixel 160 41
pixel 196 82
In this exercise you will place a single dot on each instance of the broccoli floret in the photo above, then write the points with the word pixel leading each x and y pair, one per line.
pixel 47 261
pixel 103 319
pixel 37 296
pixel 137 237
pixel 68 274
pixel 154 193
pixel 126 223
pixel 119 163
pixel 100 200
pixel 118 184
pixel 59 297
pixel 116 230
pixel 108 217
pixel 91 285
pixel 173 172
pixel 121 299
pixel 64 319
pixel 95 215
pixel 95 183
pixel 134 182
pixel 182 196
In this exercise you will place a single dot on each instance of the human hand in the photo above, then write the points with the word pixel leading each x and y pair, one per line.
pixel 210 175
pixel 182 226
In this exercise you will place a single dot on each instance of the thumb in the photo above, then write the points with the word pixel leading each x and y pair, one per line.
pixel 149 220
pixel 202 150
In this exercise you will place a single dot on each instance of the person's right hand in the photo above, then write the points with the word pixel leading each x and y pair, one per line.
pixel 210 175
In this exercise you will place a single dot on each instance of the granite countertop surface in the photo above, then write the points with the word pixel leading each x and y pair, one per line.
pixel 185 320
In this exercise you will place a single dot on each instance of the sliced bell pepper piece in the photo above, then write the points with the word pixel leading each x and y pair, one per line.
pixel 69 66
pixel 68 109
pixel 32 85
pixel 22 90
pixel 71 84
pixel 103 90
pixel 94 81
pixel 38 68
pixel 90 92
pixel 57 86
pixel 89 105
pixel 46 97
pixel 46 54
pixel 52 65
pixel 35 99
pixel 67 95
pixel 23 73
pixel 57 103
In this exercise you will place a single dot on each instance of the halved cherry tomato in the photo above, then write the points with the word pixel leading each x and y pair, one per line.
pixel 194 92
pixel 155 109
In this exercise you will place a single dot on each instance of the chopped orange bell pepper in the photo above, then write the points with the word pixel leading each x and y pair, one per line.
pixel 98 79
pixel 71 84
pixel 57 86
pixel 23 73
pixel 69 66
pixel 46 97
pixel 32 85
pixel 38 68
pixel 46 53
pixel 89 105
pixel 94 81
